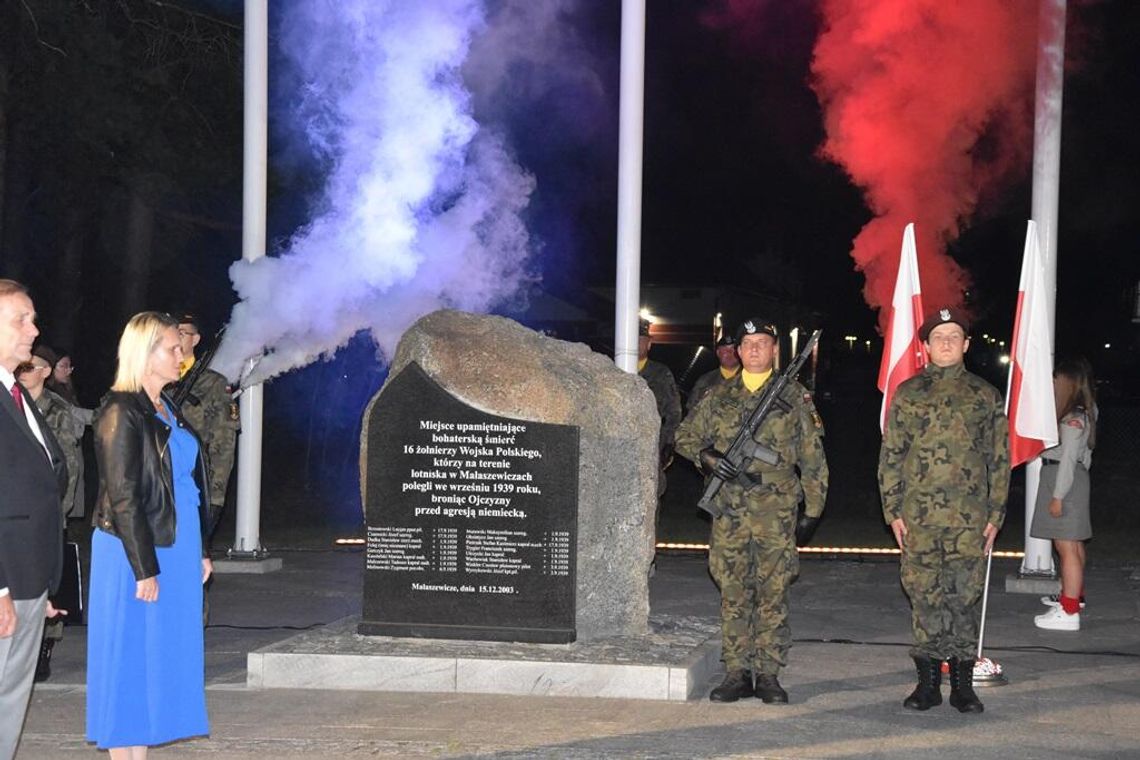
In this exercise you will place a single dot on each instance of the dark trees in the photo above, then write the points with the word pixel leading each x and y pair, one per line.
pixel 120 159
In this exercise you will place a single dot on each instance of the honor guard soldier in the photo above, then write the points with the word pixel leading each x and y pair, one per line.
pixel 752 553
pixel 944 476
pixel 212 412
pixel 728 370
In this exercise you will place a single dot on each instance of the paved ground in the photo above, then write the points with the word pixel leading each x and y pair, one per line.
pixel 1071 695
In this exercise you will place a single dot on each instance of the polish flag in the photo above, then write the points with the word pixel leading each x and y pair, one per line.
pixel 904 356
pixel 1029 400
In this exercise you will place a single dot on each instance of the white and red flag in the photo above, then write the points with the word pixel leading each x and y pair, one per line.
pixel 1029 400
pixel 904 356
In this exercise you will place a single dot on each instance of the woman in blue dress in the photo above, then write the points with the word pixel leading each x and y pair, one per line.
pixel 145 652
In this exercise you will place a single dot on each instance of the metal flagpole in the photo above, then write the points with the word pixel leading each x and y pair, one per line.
pixel 247 539
pixel 1046 188
pixel 631 120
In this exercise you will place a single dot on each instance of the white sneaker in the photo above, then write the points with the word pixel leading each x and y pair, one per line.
pixel 1054 600
pixel 1057 619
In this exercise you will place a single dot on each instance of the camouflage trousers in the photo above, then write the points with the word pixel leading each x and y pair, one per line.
pixel 943 571
pixel 753 559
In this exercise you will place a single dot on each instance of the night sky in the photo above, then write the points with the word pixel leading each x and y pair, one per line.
pixel 735 188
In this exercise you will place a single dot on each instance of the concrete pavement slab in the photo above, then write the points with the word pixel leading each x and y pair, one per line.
pixel 1071 695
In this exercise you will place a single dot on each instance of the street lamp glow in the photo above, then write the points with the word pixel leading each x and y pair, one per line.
pixel 1108 345
pixel 1003 359
pixel 647 316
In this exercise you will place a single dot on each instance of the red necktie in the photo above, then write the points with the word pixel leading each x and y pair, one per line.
pixel 17 396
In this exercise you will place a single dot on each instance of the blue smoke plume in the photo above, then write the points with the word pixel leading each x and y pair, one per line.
pixel 421 206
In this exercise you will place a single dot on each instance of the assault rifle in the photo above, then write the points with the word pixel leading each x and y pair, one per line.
pixel 182 389
pixel 744 447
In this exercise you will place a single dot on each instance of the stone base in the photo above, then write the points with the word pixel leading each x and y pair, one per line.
pixel 673 662
pixel 247 566
pixel 1018 584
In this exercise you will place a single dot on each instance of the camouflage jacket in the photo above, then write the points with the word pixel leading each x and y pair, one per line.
pixel 706 383
pixel 945 455
pixel 215 420
pixel 664 387
pixel 67 424
pixel 795 435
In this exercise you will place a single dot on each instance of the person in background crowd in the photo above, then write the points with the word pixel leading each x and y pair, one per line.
pixel 729 368
pixel 60 380
pixel 67 424
pixel 660 380
pixel 752 554
pixel 944 478
pixel 32 480
pixel 145 642
pixel 1062 508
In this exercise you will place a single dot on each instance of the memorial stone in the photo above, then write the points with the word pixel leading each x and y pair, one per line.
pixel 454 368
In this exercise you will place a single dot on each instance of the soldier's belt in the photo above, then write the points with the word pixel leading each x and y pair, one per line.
pixel 751 480
pixel 1056 462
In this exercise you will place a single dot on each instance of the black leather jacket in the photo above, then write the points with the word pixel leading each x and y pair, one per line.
pixel 136 482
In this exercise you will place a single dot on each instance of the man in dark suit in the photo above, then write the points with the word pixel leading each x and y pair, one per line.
pixel 32 477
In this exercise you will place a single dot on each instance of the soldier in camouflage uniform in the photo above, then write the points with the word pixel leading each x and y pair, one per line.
pixel 753 555
pixel 943 476
pixel 728 370
pixel 660 380
pixel 212 412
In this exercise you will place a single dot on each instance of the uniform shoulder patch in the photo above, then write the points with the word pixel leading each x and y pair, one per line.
pixel 815 418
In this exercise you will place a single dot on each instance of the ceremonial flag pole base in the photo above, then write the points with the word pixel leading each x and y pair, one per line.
pixel 988 673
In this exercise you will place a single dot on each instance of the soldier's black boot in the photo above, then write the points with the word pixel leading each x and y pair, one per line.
pixel 736 685
pixel 962 693
pixel 43 664
pixel 768 689
pixel 928 693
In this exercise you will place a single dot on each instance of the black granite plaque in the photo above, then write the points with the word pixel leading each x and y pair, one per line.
pixel 471 519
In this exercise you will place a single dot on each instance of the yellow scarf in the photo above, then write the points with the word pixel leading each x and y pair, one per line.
pixel 641 363
pixel 728 374
pixel 753 380
pixel 185 366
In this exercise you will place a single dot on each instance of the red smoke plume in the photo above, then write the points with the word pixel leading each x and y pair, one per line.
pixel 927 104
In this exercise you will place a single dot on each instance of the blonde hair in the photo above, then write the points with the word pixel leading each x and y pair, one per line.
pixel 140 337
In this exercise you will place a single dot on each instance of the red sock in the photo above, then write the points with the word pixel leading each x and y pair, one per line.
pixel 1070 605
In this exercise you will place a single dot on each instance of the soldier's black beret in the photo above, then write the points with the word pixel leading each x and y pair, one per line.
pixel 942 317
pixel 186 318
pixel 726 340
pixel 754 326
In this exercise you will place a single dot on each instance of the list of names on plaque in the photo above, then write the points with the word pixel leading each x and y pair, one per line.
pixel 462 503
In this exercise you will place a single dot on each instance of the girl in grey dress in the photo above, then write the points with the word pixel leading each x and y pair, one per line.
pixel 1061 512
